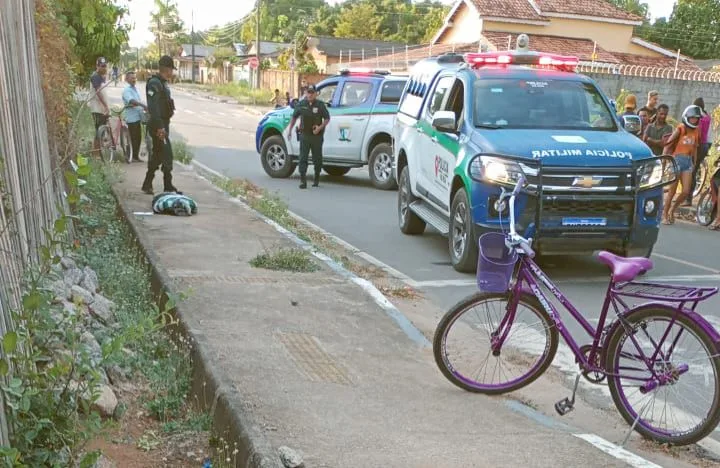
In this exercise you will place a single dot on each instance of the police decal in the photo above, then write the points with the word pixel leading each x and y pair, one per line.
pixel 441 170
pixel 537 154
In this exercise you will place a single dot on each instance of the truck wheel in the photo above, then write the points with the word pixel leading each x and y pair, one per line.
pixel 336 171
pixel 462 242
pixel 275 160
pixel 380 167
pixel 410 223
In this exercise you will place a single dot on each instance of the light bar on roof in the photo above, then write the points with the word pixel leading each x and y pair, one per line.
pixel 363 71
pixel 558 62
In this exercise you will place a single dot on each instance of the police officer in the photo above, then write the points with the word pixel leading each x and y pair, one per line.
pixel 161 108
pixel 314 117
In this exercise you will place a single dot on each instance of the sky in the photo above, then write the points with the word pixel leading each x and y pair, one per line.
pixel 210 13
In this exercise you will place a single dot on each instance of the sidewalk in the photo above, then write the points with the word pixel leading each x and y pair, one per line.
pixel 309 361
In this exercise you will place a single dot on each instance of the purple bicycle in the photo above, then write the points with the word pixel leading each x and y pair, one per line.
pixel 658 355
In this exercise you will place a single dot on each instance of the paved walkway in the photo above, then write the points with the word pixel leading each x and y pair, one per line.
pixel 309 361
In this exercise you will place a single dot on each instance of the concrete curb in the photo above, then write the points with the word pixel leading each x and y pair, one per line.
pixel 209 385
pixel 377 296
pixel 222 99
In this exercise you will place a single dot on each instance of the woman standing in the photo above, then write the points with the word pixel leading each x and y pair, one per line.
pixel 683 146
pixel 705 142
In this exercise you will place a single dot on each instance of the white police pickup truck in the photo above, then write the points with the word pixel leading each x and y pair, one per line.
pixel 592 185
pixel 362 106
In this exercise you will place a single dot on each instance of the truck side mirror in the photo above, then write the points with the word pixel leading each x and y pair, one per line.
pixel 444 121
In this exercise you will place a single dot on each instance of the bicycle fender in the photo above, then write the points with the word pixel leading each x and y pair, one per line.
pixel 699 319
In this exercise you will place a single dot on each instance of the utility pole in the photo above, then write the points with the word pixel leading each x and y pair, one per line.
pixel 257 44
pixel 138 58
pixel 158 38
pixel 192 37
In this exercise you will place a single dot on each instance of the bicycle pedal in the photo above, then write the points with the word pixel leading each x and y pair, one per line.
pixel 564 406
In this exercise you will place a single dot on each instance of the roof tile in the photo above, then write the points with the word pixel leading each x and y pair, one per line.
pixel 657 62
pixel 580 48
pixel 597 8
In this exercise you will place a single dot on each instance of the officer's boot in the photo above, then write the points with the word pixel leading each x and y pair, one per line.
pixel 168 185
pixel 316 181
pixel 303 181
pixel 147 183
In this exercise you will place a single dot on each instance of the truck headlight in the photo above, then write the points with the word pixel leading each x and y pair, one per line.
pixel 656 172
pixel 497 170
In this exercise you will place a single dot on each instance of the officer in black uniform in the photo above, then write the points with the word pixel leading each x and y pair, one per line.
pixel 161 108
pixel 314 117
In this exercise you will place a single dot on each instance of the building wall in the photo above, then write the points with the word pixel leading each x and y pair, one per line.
pixel 677 94
pixel 640 50
pixel 467 27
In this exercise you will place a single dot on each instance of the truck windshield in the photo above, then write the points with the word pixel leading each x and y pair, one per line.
pixel 540 103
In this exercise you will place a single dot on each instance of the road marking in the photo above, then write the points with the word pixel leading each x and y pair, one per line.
pixel 617 451
pixel 686 263
pixel 188 111
pixel 221 113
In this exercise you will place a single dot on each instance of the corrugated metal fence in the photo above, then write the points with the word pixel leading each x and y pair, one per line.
pixel 29 190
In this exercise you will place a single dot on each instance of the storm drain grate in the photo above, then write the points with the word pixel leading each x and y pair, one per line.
pixel 311 359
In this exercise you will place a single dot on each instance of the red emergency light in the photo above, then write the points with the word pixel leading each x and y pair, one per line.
pixel 557 62
pixel 363 71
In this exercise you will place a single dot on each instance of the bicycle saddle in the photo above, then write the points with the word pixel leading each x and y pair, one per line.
pixel 625 269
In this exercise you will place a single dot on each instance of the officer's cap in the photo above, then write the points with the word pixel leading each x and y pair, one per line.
pixel 311 89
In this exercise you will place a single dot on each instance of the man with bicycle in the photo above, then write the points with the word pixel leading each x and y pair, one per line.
pixel 161 108
pixel 98 102
pixel 134 109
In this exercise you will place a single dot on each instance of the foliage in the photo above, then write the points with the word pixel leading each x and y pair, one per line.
pixel 242 92
pixel 94 29
pixel 181 152
pixel 297 260
pixel 693 27
pixel 359 20
pixel 304 61
pixel 166 25
pixel 636 7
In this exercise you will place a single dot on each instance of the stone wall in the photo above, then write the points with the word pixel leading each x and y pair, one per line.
pixel 677 94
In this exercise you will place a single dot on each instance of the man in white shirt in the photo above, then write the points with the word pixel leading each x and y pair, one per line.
pixel 98 102
pixel 133 114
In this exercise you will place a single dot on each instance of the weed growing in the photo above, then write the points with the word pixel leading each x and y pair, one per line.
pixel 284 259
pixel 181 152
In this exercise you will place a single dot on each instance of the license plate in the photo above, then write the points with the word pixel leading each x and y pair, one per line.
pixel 584 222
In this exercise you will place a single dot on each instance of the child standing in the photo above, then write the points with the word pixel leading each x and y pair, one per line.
pixel 683 146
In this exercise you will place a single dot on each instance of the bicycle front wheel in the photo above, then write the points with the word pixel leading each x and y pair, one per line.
pixel 107 147
pixel 674 396
pixel 482 347
pixel 706 209
pixel 702 173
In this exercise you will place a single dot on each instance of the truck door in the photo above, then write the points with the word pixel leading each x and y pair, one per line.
pixel 349 119
pixel 435 155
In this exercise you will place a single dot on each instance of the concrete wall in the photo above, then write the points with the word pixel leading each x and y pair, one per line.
pixel 677 94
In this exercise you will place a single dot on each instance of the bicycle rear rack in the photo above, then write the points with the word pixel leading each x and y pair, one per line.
pixel 664 292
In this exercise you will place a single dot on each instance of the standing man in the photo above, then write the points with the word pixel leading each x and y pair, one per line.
pixel 314 117
pixel 657 132
pixel 133 114
pixel 161 108
pixel 652 102
pixel 98 102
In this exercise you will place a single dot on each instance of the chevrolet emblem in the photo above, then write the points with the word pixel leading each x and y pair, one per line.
pixel 586 182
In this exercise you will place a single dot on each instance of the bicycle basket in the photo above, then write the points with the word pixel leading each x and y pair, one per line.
pixel 495 263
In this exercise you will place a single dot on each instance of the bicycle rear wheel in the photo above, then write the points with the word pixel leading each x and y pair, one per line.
pixel 700 179
pixel 706 209
pixel 126 145
pixel 530 344
pixel 107 147
pixel 643 384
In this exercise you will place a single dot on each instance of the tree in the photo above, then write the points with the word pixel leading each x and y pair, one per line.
pixel 359 21
pixel 166 25
pixel 94 29
pixel 636 7
pixel 693 27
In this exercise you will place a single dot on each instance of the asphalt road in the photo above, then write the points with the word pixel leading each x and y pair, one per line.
pixel 222 137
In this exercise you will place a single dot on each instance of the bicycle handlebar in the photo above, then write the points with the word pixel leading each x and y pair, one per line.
pixel 515 239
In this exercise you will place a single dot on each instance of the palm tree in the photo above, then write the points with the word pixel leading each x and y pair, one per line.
pixel 166 25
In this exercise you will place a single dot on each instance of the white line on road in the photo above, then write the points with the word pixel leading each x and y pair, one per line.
pixel 188 111
pixel 617 451
pixel 686 263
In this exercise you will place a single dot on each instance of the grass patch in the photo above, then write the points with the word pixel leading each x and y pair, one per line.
pixel 181 152
pixel 284 259
pixel 163 364
pixel 242 92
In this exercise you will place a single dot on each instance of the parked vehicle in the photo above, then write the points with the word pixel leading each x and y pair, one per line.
pixel 596 186
pixel 362 106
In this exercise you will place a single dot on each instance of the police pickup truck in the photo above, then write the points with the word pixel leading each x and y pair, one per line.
pixel 592 185
pixel 362 106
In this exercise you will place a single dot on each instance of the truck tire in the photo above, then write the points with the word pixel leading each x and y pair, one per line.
pixel 462 241
pixel 336 171
pixel 409 222
pixel 276 162
pixel 380 167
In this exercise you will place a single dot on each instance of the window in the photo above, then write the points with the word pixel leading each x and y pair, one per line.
pixel 326 93
pixel 355 93
pixel 439 94
pixel 391 91
pixel 411 101
pixel 540 103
